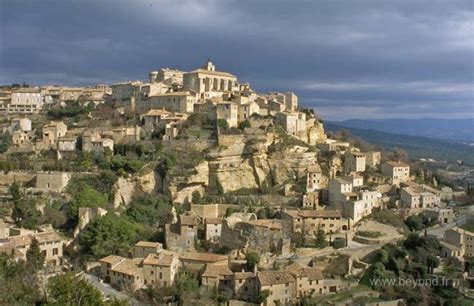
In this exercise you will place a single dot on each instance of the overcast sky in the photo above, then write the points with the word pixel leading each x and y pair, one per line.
pixel 347 59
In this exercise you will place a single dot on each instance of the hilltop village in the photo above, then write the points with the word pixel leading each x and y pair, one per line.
pixel 192 188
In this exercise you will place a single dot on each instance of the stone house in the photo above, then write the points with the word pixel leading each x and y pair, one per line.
pixel 93 142
pixel 218 276
pixel 181 236
pixel 337 188
pixel 198 261
pixel 126 135
pixel 308 222
pixel 311 200
pixel 281 286
pixel 397 171
pixel 143 248
pixel 292 122
pixel 441 215
pixel 52 181
pixel 212 229
pixel 160 268
pixel 67 144
pixel 228 111
pixel 50 244
pixel 457 242
pixel 373 159
pixel 355 179
pixel 51 134
pixel 354 162
pixel 122 273
pixel 361 204
pixel 180 102
pixel 246 110
pixel 315 179
pixel 245 285
pixel 416 196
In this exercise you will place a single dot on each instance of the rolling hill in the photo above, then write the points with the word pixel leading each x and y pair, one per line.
pixel 461 130
pixel 417 147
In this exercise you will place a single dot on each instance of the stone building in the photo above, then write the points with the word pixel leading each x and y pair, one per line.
pixel 50 244
pixel 441 215
pixel 93 142
pixel 219 277
pixel 228 111
pixel 292 122
pixel 25 101
pixel 180 102
pixel 245 285
pixel 354 162
pixel 416 196
pixel 52 181
pixel 181 236
pixel 207 82
pixel 397 171
pixel 198 261
pixel 315 179
pixel 281 286
pixel 166 75
pixel 122 273
pixel 160 268
pixel 373 159
pixel 212 229
pixel 144 248
pixel 457 242
pixel 51 134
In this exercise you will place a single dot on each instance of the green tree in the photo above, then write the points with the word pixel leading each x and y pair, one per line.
pixel 253 259
pixel 18 285
pixel 186 288
pixel 108 235
pixel 24 212
pixel 382 256
pixel 149 210
pixel 86 197
pixel 414 223
pixel 34 257
pixel 321 241
pixel 432 262
pixel 222 124
pixel 68 289
pixel 244 124
pixel 15 191
pixel 262 297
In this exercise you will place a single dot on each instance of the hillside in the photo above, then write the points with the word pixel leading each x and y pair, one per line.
pixel 461 130
pixel 417 147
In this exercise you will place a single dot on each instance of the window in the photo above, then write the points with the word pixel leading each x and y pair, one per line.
pixel 55 251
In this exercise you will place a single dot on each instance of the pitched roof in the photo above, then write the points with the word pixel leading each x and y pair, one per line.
pixel 216 270
pixel 299 271
pixel 243 275
pixel 148 244
pixel 267 278
pixel 315 168
pixel 112 259
pixel 188 220
pixel 128 266
pixel 320 213
pixel 203 257
pixel 164 259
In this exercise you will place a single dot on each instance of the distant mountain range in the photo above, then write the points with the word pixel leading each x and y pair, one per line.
pixel 417 147
pixel 460 130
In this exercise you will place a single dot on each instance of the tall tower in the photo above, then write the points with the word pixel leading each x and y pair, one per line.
pixel 209 65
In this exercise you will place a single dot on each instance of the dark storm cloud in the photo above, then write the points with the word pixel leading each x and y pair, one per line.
pixel 346 58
